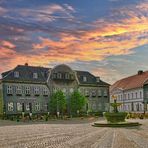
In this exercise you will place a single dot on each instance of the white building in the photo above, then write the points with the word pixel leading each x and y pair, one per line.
pixel 130 92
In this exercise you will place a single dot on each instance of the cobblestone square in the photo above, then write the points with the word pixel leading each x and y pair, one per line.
pixel 69 134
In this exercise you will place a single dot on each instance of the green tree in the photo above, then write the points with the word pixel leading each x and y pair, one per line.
pixel 77 102
pixel 58 102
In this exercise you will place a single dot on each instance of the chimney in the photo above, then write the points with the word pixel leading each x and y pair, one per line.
pixel 26 64
pixel 140 72
pixel 98 79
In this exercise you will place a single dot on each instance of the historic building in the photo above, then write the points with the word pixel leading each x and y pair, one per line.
pixel 132 92
pixel 28 88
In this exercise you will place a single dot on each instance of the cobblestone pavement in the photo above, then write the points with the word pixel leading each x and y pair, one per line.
pixel 73 136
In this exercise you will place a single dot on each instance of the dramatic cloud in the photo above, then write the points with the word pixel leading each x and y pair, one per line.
pixel 49 33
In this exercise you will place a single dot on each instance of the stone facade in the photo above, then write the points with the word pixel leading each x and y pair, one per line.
pixel 28 89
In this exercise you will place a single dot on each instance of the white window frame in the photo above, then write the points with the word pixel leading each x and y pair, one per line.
pixel 37 106
pixel 67 76
pixel 35 75
pixel 19 106
pixel 71 90
pixel 10 106
pixel 106 94
pixel 27 107
pixel 18 90
pixel 36 90
pixel 99 92
pixel 45 91
pixel 9 89
pixel 84 79
pixel 16 74
pixel 93 93
pixel 59 75
pixel 86 92
pixel 27 90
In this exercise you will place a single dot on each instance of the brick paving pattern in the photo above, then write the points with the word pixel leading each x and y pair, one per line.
pixel 80 135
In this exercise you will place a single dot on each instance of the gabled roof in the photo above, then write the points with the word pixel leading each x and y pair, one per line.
pixel 26 74
pixel 135 81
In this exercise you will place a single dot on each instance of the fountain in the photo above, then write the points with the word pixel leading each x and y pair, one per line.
pixel 116 118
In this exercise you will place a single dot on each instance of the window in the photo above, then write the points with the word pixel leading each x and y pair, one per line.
pixel 36 91
pixel 10 106
pixel 124 96
pixel 136 95
pixel 37 106
pixel 141 107
pixel 86 93
pixel 93 93
pixel 64 90
pixel 18 90
pixel 19 106
pixel 27 107
pixel 105 93
pixel 35 75
pixel 128 96
pixel 67 76
pixel 45 91
pixel 140 95
pixel 16 74
pixel 71 90
pixel 132 95
pixel 118 97
pixel 55 90
pixel 121 97
pixel 99 93
pixel 27 90
pixel 59 75
pixel 84 79
pixel 137 106
pixel 54 76
pixel 9 90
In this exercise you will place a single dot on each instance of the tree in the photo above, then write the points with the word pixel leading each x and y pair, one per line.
pixel 58 102
pixel 77 102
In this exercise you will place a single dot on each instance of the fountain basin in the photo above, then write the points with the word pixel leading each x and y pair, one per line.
pixel 115 117
pixel 124 124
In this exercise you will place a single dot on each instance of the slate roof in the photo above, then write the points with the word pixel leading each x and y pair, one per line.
pixel 91 79
pixel 135 81
pixel 26 74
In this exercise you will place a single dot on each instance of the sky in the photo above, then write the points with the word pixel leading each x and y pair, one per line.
pixel 108 38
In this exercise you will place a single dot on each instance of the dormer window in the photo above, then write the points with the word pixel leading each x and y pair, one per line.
pixel 35 75
pixel 16 74
pixel 59 76
pixel 84 79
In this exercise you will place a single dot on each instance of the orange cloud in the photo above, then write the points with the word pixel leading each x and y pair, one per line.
pixel 106 38
pixel 113 38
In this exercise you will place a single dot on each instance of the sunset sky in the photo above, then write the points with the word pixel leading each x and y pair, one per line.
pixel 106 37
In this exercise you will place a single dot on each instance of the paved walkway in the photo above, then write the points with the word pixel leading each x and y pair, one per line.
pixel 73 135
